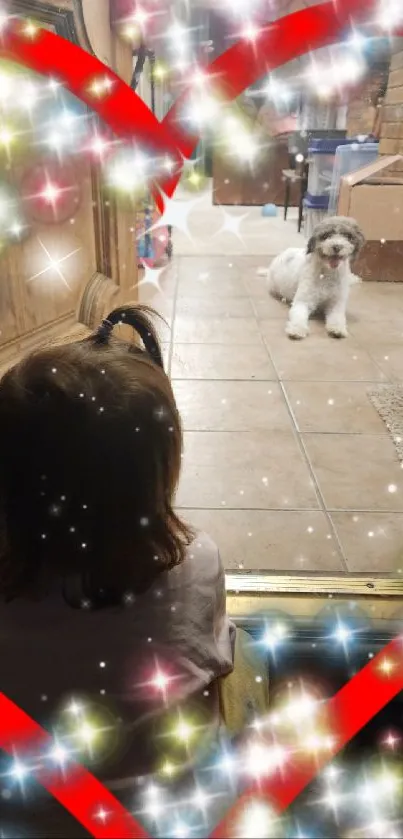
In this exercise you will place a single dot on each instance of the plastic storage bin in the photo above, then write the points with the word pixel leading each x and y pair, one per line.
pixel 322 154
pixel 312 215
pixel 349 159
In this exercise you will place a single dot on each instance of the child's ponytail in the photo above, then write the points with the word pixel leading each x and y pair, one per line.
pixel 138 318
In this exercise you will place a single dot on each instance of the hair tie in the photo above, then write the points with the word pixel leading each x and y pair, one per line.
pixel 138 319
pixel 104 330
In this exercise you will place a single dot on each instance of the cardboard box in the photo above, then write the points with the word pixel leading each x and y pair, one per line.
pixel 375 199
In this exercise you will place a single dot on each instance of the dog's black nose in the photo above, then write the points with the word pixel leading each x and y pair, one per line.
pixel 336 248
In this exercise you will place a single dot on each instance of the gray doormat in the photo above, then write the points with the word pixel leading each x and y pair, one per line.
pixel 388 401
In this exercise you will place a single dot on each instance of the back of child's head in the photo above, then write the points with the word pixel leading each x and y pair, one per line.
pixel 90 453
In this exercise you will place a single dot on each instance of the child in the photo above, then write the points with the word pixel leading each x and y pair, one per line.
pixel 108 600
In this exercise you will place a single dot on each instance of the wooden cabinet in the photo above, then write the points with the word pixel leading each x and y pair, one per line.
pixel 69 273
pixel 262 185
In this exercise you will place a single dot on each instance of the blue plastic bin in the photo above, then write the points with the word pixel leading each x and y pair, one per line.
pixel 315 209
pixel 322 154
pixel 349 159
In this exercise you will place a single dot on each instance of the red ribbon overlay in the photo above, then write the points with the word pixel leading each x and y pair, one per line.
pixel 128 116
pixel 83 796
pixel 237 68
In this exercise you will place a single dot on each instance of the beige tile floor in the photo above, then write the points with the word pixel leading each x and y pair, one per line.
pixel 286 461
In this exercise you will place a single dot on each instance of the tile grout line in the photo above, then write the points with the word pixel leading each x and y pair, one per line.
pixel 298 435
pixel 175 300
pixel 276 379
pixel 198 430
pixel 321 499
pixel 304 453
pixel 286 510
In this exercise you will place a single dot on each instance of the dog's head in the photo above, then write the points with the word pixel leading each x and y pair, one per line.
pixel 335 240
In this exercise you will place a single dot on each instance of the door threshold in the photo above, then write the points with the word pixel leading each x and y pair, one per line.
pixel 314 585
pixel 251 595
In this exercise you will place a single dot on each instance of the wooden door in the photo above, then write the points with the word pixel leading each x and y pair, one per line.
pixel 71 264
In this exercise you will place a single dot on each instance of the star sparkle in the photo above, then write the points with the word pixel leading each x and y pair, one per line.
pixel 176 214
pixel 53 264
pixel 232 224
pixel 151 277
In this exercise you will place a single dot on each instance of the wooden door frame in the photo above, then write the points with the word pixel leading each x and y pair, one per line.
pixel 112 280
pixel 69 23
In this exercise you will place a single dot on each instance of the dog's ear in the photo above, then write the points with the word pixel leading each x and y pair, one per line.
pixel 359 240
pixel 311 245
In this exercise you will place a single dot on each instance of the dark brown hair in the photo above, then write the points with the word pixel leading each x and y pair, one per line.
pixel 90 455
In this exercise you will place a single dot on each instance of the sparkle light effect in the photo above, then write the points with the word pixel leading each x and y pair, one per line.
pixel 75 708
pixel 387 666
pixel 179 44
pixel 274 635
pixel 343 635
pixel 12 224
pixel 357 41
pixel 39 116
pixel 135 27
pixel 234 138
pixel 83 731
pixel 99 146
pixel 53 263
pixel 7 137
pixel 50 193
pixel 19 771
pixel 4 18
pixel 277 92
pixel 203 110
pixel 258 821
pixel 352 800
pixel 250 32
pixel 240 10
pixel 262 760
pixel 161 682
pixel 161 72
pixel 59 754
pixel 391 740
pixel 129 172
pixel 176 213
pixel 87 735
pixel 193 179
pixel 184 731
pixel 344 70
pixel 269 755
pixel 102 815
pixel 66 133
pixel 232 224
pixel 245 149
pixel 390 14
pixel 30 29
pixel 101 87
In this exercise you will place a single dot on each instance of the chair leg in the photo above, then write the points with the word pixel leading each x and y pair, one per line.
pixel 287 198
pixel 300 213
pixel 301 205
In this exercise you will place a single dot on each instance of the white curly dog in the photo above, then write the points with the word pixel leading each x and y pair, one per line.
pixel 317 279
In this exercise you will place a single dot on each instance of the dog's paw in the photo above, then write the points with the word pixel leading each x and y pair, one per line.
pixel 337 330
pixel 296 331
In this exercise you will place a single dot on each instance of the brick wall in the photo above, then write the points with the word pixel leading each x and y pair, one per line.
pixel 392 114
pixel 361 111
